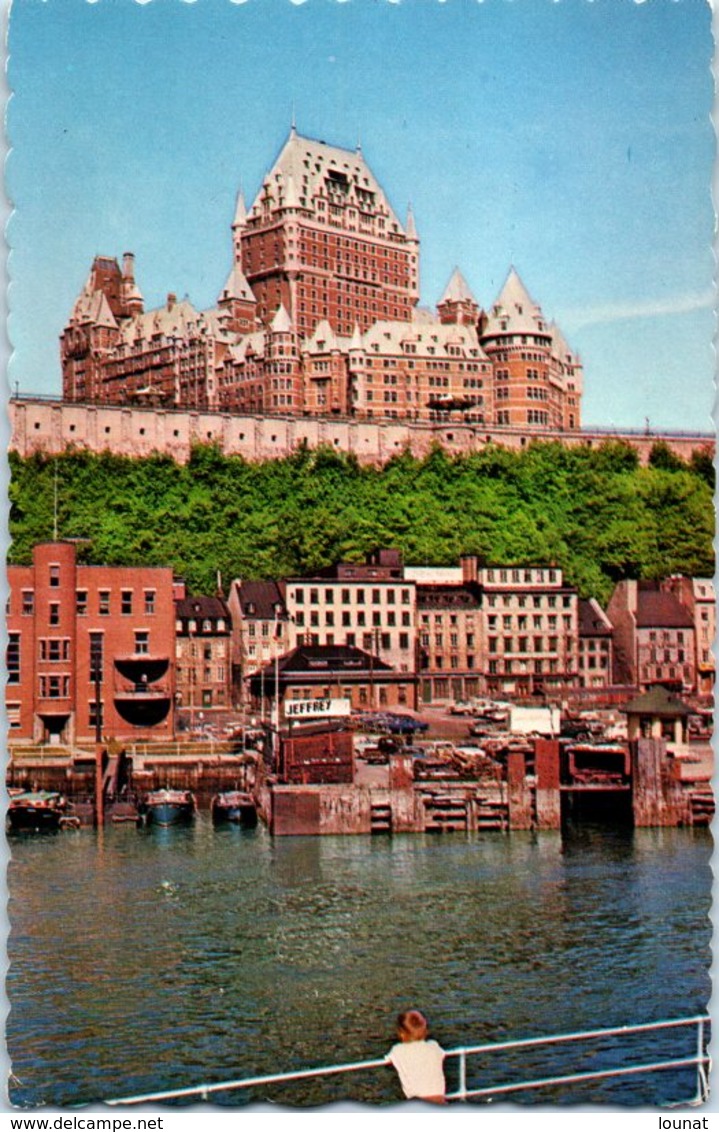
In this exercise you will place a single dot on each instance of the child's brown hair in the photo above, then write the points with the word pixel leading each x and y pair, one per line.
pixel 414 1024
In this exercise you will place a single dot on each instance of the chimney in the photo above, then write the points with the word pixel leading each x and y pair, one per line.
pixel 470 567
pixel 128 267
pixel 171 300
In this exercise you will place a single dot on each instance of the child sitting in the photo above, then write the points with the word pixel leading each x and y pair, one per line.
pixel 418 1061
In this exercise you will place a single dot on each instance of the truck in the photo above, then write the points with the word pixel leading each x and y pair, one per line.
pixel 534 720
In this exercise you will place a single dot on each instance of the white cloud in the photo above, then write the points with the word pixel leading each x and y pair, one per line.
pixel 650 308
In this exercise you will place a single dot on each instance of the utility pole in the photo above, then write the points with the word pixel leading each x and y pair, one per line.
pixel 99 800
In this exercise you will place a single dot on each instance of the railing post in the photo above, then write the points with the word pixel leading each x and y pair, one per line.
pixel 462 1075
pixel 701 1077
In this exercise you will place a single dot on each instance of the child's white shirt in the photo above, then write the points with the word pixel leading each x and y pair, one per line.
pixel 419 1065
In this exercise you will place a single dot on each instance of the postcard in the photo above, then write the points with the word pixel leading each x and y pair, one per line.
pixel 359 694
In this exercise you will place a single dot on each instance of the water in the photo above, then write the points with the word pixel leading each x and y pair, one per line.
pixel 157 959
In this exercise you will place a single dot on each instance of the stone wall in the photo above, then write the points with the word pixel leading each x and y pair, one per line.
pixel 55 426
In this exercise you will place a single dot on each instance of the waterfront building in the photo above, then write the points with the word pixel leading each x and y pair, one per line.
pixel 450 652
pixel 89 645
pixel 368 605
pixel 318 317
pixel 698 598
pixel 502 630
pixel 654 637
pixel 333 672
pixel 595 668
pixel 203 645
pixel 260 630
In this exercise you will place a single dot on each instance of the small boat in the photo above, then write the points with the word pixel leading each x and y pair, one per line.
pixel 167 807
pixel 37 810
pixel 234 806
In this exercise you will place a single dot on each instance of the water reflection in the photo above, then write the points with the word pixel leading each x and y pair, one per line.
pixel 161 958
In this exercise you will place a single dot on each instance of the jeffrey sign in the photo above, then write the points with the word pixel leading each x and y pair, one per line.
pixel 312 709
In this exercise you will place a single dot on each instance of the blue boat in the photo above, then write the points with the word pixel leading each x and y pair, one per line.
pixel 167 807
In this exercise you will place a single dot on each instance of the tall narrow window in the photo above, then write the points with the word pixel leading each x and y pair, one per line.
pixel 13 658
pixel 96 655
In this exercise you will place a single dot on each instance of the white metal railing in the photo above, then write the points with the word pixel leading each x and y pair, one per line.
pixel 699 1060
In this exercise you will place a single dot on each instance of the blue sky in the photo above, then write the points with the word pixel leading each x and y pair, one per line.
pixel 571 139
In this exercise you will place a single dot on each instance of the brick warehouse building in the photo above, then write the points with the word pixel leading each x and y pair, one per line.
pixel 318 317
pixel 66 622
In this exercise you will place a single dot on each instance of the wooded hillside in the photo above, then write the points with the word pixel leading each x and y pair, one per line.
pixel 594 512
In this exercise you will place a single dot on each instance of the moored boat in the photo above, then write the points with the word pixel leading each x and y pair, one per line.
pixel 234 806
pixel 37 810
pixel 167 807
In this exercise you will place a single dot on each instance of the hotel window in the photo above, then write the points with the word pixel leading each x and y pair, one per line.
pixel 345 597
pixel 405 597
pixel 13 658
pixel 142 642
pixel 13 714
pixel 28 602
pixel 149 601
pixel 81 603
pixel 103 599
pixel 54 576
pixel 360 597
pixel 96 640
pixel 300 596
pixel 314 597
pixel 54 618
pixel 329 597
pixel 126 601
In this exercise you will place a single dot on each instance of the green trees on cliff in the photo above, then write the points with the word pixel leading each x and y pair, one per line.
pixel 594 512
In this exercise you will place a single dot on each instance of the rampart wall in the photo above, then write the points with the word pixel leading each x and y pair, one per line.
pixel 54 426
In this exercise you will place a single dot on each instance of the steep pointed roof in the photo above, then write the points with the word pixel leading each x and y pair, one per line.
pixel 282 322
pixel 457 290
pixel 411 227
pixel 103 315
pixel 356 343
pixel 515 311
pixel 240 210
pixel 237 286
pixel 323 332
pixel 308 163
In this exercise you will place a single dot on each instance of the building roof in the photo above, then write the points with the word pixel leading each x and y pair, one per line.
pixel 261 600
pixel 449 597
pixel 593 621
pixel 656 609
pixel 173 320
pixel 302 169
pixel 202 608
pixel 237 286
pixel 319 660
pixel 457 290
pixel 659 701
pixel 515 311
pixel 426 333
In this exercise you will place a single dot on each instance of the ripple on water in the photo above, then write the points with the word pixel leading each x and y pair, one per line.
pixel 141 962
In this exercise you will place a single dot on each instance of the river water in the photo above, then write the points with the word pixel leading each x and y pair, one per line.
pixel 157 959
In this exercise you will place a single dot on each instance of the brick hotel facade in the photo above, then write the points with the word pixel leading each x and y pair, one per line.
pixel 319 317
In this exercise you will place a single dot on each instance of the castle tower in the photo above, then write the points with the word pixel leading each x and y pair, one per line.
pixel 322 239
pixel 518 340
